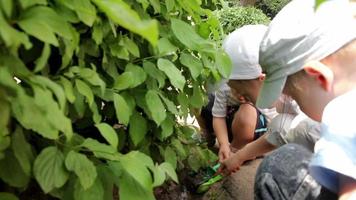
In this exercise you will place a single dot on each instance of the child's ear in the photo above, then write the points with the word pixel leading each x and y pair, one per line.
pixel 320 72
pixel 262 77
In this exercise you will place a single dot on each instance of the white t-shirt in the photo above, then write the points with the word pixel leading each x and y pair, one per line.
pixel 335 152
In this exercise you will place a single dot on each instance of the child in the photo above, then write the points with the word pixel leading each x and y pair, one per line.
pixel 248 122
pixel 309 53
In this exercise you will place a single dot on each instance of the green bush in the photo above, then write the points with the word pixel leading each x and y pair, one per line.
pixel 271 7
pixel 91 92
pixel 231 18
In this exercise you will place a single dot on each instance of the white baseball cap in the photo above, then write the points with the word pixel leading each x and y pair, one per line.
pixel 242 46
pixel 301 33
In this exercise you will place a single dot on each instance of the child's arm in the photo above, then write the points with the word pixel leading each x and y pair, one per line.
pixel 220 130
pixel 347 188
pixel 249 152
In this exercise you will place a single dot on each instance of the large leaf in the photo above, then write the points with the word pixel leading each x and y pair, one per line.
pixel 68 89
pixel 27 3
pixel 85 11
pixel 11 171
pixel 138 74
pixel 100 150
pixel 121 13
pixel 123 111
pixel 22 151
pixel 6 7
pixel 168 168
pixel 155 106
pixel 194 65
pixel 85 90
pixel 138 128
pixel 174 75
pixel 95 192
pixel 223 63
pixel 42 60
pixel 165 47
pixel 82 167
pixel 187 35
pixel 49 169
pixel 167 127
pixel 169 104
pixel 108 133
pixel 135 180
pixel 11 36
pixel 124 81
pixel 7 196
pixel 170 156
pixel 43 23
pixel 155 73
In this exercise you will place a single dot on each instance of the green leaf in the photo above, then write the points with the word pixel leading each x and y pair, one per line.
pixel 85 11
pixel 97 33
pixel 194 163
pixel 22 151
pixel 194 65
pixel 11 36
pixel 138 128
pixel 53 86
pixel 170 156
pixel 27 3
pixel 170 5
pixel 68 89
pixel 85 90
pixel 168 168
pixel 223 64
pixel 167 127
pixel 183 101
pixel 152 71
pixel 156 6
pixel 6 7
pixel 43 23
pixel 100 150
pixel 155 106
pixel 174 75
pixel 42 60
pixel 135 180
pixel 82 167
pixel 4 119
pixel 138 74
pixel 169 104
pixel 95 192
pixel 121 13
pixel 197 100
pixel 11 171
pixel 95 113
pixel 49 169
pixel 179 148
pixel 91 77
pixel 165 47
pixel 124 81
pixel 122 109
pixel 159 176
pixel 131 46
pixel 7 196
pixel 187 35
pixel 108 133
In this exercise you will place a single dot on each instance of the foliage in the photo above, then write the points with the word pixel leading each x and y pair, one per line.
pixel 91 91
pixel 271 7
pixel 235 17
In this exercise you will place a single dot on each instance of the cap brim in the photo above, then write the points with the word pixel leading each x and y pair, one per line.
pixel 270 92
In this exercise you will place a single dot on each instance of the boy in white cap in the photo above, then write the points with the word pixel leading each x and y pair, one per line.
pixel 245 81
pixel 309 53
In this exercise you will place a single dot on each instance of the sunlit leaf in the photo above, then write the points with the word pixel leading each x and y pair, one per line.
pixel 174 75
pixel 108 133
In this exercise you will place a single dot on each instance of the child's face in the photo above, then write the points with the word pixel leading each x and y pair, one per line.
pixel 245 90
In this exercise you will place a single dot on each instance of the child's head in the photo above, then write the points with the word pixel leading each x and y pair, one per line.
pixel 308 53
pixel 242 45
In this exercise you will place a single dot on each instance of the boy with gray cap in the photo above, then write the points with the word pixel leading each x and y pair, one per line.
pixel 309 53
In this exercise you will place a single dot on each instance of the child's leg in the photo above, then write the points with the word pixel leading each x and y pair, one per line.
pixel 243 126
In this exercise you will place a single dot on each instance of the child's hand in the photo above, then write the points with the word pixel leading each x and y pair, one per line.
pixel 224 152
pixel 232 164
